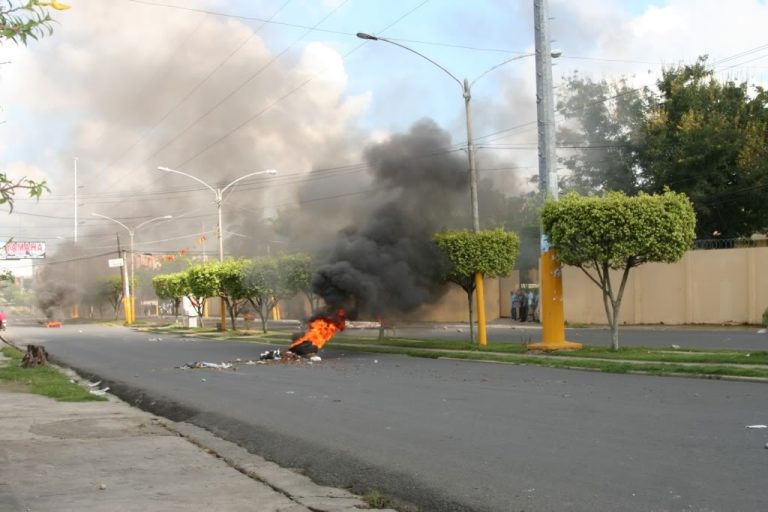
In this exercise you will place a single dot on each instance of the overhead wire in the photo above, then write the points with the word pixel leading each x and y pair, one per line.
pixel 197 86
pixel 289 93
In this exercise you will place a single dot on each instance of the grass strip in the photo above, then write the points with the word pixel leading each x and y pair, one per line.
pixel 559 362
pixel 43 380
pixel 654 361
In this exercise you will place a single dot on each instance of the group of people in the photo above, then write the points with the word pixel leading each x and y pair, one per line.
pixel 525 306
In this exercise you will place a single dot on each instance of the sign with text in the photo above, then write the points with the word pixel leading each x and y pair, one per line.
pixel 116 262
pixel 22 251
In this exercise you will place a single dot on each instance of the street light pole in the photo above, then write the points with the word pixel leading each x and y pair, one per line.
pixel 130 292
pixel 466 89
pixel 219 199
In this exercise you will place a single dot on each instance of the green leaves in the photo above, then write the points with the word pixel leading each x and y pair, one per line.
pixel 21 21
pixel 490 252
pixel 8 188
pixel 170 286
pixel 619 230
pixel 694 133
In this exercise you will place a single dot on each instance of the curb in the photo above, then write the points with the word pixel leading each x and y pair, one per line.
pixel 297 487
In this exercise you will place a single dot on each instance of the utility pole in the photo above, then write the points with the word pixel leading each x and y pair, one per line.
pixel 75 232
pixel 76 305
pixel 124 274
pixel 550 271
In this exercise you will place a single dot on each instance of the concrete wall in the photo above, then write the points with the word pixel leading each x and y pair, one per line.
pixel 705 287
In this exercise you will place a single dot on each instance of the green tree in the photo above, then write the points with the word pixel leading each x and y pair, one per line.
pixel 295 271
pixel 264 286
pixel 619 233
pixel 203 281
pixel 171 287
pixel 110 290
pixel 709 139
pixel 233 289
pixel 489 252
pixel 600 136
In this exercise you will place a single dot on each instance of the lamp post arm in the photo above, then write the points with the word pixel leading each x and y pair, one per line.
pixel 153 220
pixel 130 231
pixel 268 171
pixel 377 38
pixel 168 169
pixel 481 75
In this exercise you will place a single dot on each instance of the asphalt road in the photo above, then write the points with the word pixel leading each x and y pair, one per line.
pixel 742 338
pixel 451 435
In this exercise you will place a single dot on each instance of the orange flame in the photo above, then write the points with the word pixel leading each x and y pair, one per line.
pixel 322 329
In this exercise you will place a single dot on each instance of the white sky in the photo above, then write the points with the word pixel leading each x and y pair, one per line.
pixel 126 86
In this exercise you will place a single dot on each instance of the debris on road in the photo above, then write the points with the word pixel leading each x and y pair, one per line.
pixel 99 392
pixel 757 426
pixel 269 355
pixel 205 364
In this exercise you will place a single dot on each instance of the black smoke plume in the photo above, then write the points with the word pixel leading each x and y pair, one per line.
pixel 386 263
pixel 51 295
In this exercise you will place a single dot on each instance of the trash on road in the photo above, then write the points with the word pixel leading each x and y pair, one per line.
pixel 99 392
pixel 269 355
pixel 757 426
pixel 276 356
pixel 205 364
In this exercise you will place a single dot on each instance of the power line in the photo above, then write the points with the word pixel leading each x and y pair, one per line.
pixel 194 89
pixel 279 99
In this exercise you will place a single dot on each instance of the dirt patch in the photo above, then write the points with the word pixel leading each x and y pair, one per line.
pixel 90 428
pixel 14 387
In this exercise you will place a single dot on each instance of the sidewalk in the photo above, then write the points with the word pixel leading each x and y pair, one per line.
pixel 109 457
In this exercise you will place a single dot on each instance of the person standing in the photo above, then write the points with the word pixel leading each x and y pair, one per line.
pixel 523 307
pixel 515 304
pixel 534 307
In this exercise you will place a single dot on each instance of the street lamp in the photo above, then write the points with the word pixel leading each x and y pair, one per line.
pixel 219 195
pixel 466 89
pixel 131 232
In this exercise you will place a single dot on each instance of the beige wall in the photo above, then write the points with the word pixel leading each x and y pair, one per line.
pixel 705 287
pixel 453 307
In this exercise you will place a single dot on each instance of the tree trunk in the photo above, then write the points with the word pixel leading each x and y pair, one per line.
pixel 263 312
pixel 232 313
pixel 36 356
pixel 615 328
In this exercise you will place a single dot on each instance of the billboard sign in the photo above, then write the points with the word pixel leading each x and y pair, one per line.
pixel 22 251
